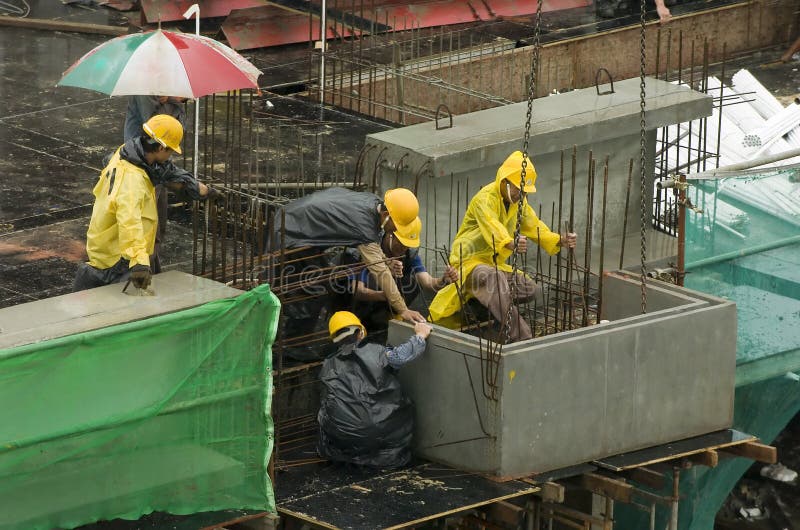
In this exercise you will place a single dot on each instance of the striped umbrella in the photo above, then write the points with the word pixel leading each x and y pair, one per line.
pixel 161 63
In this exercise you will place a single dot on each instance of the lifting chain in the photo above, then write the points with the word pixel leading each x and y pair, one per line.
pixel 506 330
pixel 643 181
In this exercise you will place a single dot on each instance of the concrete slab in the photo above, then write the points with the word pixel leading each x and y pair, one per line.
pixel 565 399
pixel 581 117
pixel 104 306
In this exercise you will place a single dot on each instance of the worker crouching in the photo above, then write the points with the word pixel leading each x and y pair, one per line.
pixel 485 241
pixel 365 418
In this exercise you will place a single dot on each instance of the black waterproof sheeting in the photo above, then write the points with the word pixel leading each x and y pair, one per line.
pixel 347 497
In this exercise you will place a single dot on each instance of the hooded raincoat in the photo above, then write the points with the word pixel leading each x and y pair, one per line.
pixel 124 216
pixel 487 228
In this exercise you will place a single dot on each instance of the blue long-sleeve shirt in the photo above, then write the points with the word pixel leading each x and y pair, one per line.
pixel 406 352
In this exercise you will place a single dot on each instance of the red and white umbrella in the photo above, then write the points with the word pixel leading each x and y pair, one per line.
pixel 162 63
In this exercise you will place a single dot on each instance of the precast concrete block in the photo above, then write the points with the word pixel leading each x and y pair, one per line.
pixel 446 167
pixel 638 381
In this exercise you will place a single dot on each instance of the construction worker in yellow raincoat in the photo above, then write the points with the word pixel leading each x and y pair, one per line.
pixel 485 241
pixel 122 230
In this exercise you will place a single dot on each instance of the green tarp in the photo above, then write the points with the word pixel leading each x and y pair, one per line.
pixel 744 246
pixel 169 414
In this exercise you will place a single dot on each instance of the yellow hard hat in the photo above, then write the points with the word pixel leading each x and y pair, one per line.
pixel 512 170
pixel 344 319
pixel 408 234
pixel 402 205
pixel 165 130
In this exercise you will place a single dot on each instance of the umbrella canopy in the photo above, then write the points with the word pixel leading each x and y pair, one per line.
pixel 162 63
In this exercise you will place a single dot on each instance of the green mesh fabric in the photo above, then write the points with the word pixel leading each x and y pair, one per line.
pixel 745 247
pixel 168 414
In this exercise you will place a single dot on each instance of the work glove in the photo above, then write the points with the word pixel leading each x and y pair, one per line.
pixel 140 276
pixel 214 195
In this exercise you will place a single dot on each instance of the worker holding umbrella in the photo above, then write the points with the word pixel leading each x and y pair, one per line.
pixel 183 66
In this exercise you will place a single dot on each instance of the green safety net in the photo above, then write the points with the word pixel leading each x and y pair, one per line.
pixel 744 246
pixel 170 413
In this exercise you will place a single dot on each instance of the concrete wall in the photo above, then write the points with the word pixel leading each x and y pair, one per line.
pixel 453 416
pixel 565 399
pixel 573 63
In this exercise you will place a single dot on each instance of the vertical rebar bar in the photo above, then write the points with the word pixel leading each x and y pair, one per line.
pixel 625 214
pixel 601 268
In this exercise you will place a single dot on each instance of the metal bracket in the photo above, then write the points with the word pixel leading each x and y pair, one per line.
pixel 692 207
pixel 672 183
pixel 597 82
pixel 449 114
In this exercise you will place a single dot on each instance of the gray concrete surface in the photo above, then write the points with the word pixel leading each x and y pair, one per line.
pixel 638 381
pixel 105 306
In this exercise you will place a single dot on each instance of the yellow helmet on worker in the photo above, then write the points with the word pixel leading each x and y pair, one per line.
pixel 342 320
pixel 165 130
pixel 512 171
pixel 408 234
pixel 403 208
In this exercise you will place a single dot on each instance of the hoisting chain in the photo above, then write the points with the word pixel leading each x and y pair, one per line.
pixel 528 115
pixel 642 183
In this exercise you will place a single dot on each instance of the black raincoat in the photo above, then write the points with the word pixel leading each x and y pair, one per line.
pixel 330 218
pixel 364 418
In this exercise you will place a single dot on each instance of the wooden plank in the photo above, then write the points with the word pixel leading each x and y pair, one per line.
pixel 708 458
pixel 507 513
pixel 62 25
pixel 674 450
pixel 550 492
pixel 289 514
pixel 259 521
pixel 754 451
pixel 646 477
pixel 608 487
pixel 417 522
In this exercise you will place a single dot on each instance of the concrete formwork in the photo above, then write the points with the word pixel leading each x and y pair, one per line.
pixel 448 166
pixel 638 381
pixel 570 63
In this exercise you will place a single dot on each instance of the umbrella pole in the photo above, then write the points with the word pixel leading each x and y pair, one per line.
pixel 323 37
pixel 195 10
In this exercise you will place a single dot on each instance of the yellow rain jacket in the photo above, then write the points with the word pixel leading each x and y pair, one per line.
pixel 124 216
pixel 487 217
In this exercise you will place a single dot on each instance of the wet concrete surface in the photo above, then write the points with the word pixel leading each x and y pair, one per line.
pixel 52 140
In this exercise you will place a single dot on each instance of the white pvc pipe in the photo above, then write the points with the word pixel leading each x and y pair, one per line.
pixel 761 161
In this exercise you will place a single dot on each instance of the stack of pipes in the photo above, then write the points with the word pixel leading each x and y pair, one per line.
pixel 747 122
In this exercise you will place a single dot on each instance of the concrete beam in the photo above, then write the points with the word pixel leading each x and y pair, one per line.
pixel 581 117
